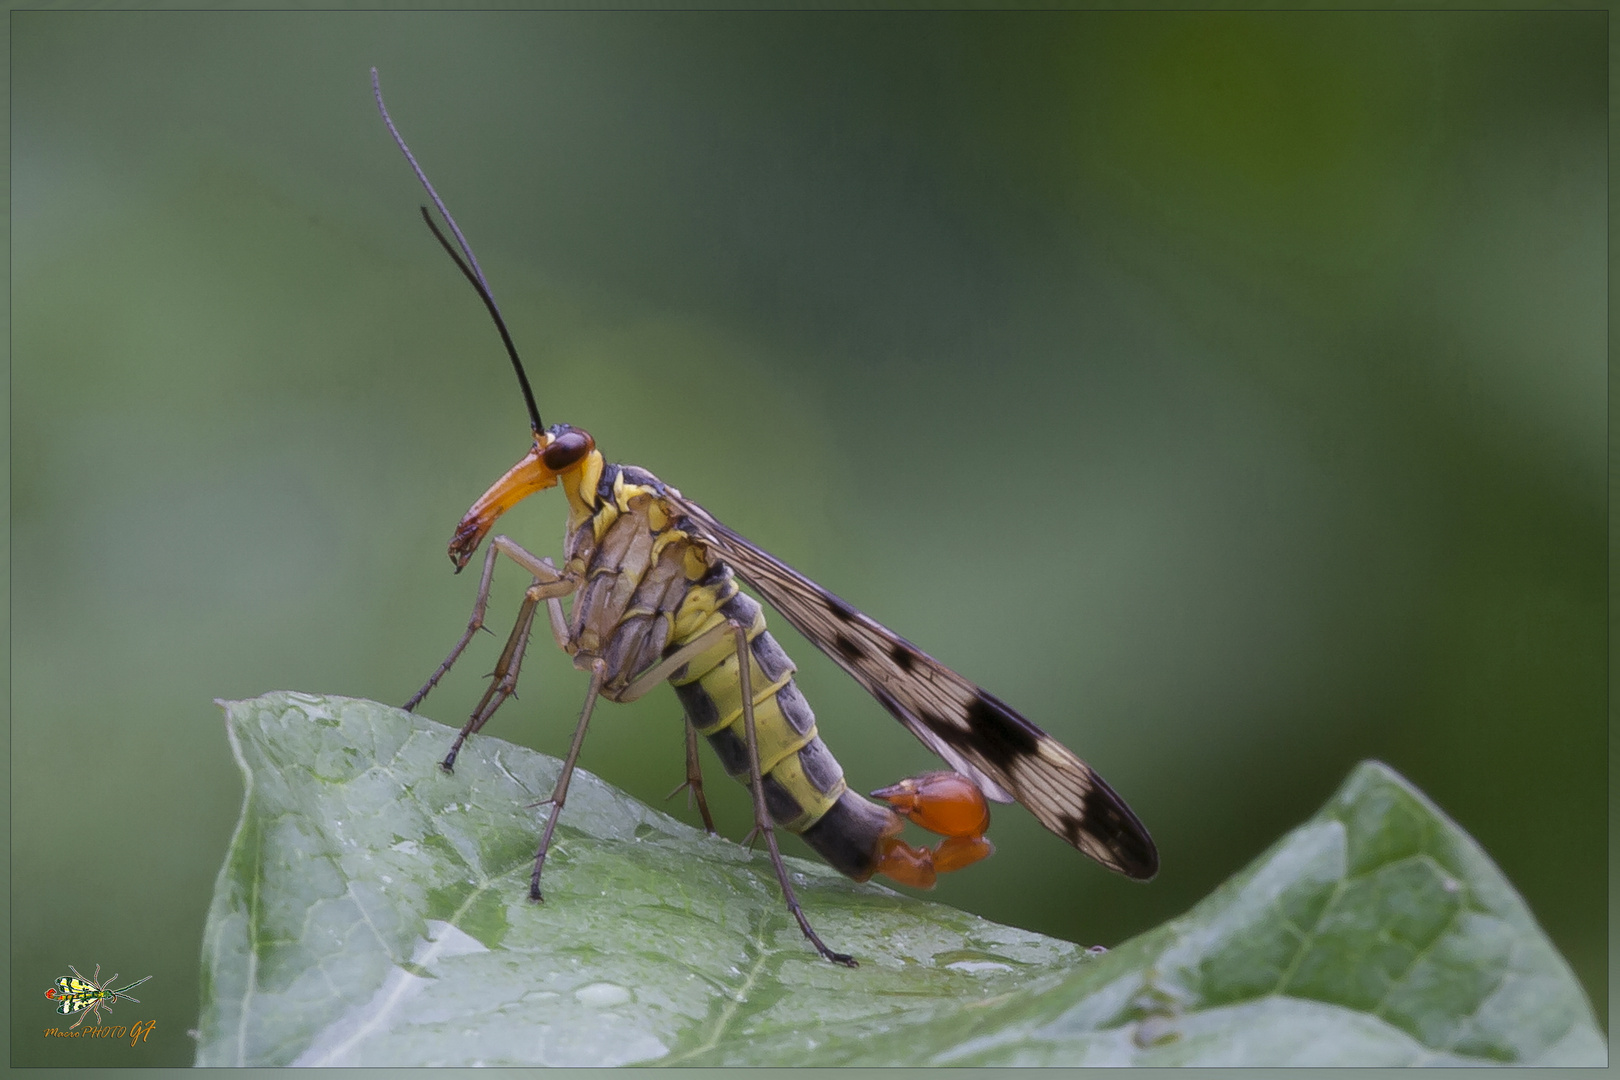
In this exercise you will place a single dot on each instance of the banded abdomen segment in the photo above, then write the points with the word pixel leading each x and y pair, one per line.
pixel 803 783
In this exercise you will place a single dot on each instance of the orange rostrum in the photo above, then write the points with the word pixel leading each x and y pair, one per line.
pixel 525 478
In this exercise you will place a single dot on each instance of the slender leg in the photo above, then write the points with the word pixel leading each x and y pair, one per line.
pixel 762 819
pixel 559 794
pixel 503 680
pixel 84 1013
pixel 474 623
pixel 693 785
pixel 673 662
pixel 657 674
pixel 545 575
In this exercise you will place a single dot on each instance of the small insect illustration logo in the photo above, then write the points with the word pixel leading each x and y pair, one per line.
pixel 81 995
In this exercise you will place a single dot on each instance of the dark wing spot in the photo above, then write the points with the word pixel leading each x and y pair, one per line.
pixel 902 656
pixel 994 733
pixel 839 608
pixel 1106 817
pixel 849 647
pixel 1072 828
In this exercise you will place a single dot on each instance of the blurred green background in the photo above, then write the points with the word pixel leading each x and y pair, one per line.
pixel 1226 392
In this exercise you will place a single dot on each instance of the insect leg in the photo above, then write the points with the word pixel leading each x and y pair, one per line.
pixel 656 674
pixel 762 818
pixel 503 680
pixel 672 663
pixel 474 623
pixel 92 1006
pixel 544 573
pixel 559 794
pixel 693 785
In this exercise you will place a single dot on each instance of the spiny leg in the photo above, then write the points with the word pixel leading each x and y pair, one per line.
pixel 669 665
pixel 503 680
pixel 559 794
pixel 84 1013
pixel 762 818
pixel 693 784
pixel 544 573
pixel 475 623
pixel 762 821
pixel 665 668
pixel 656 674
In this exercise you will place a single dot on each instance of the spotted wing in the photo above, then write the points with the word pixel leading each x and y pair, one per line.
pixel 74 994
pixel 978 734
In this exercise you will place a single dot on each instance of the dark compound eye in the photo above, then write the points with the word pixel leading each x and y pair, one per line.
pixel 567 449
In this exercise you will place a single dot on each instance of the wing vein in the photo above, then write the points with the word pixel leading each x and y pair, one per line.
pixel 975 732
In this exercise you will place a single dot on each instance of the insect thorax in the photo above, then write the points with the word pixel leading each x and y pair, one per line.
pixel 647 588
pixel 644 583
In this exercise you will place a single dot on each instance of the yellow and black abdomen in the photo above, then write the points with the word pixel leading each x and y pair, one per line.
pixel 803 783
pixel 647 590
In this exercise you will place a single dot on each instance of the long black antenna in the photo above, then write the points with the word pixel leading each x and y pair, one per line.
pixel 474 273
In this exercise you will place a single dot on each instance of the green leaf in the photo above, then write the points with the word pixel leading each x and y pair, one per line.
pixel 372 910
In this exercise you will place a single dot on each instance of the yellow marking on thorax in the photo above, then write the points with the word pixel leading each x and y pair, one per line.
pixel 581 492
pixel 717 668
pixel 584 504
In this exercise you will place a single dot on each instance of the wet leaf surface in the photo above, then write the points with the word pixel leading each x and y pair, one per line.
pixel 373 910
